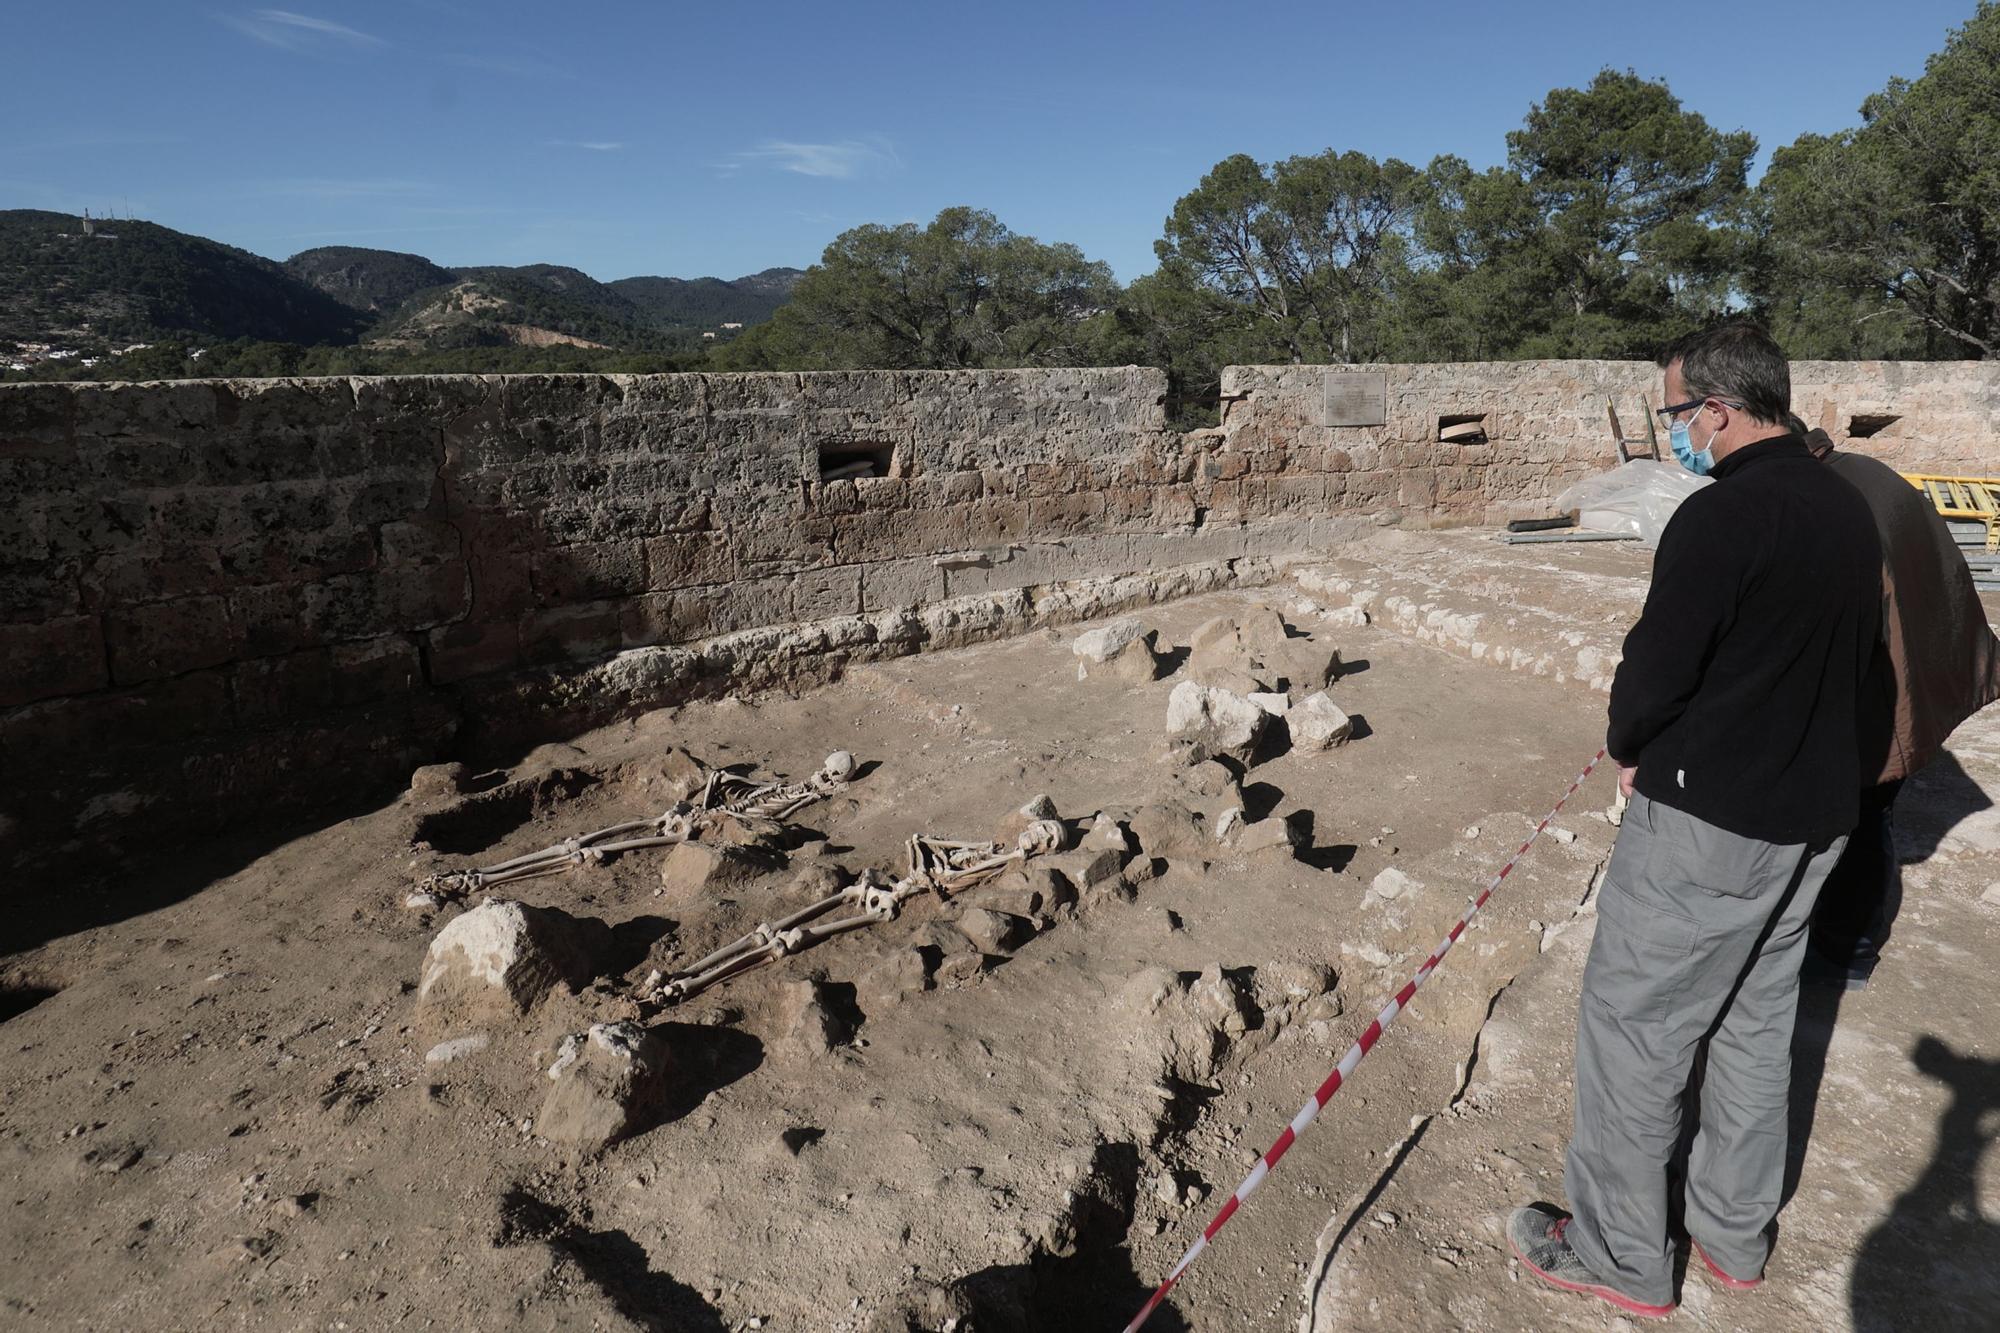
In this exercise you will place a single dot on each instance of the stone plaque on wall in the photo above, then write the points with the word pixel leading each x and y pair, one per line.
pixel 1355 398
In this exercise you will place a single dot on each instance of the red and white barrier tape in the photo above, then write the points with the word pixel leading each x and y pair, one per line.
pixel 1343 1070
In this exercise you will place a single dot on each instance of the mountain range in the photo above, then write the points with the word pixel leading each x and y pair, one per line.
pixel 62 282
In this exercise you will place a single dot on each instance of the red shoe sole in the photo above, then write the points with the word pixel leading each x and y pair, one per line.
pixel 1733 1283
pixel 1622 1301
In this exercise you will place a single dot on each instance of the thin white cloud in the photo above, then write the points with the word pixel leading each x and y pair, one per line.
pixel 841 160
pixel 594 145
pixel 297 32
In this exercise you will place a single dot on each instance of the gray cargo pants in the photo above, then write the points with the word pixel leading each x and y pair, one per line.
pixel 1699 937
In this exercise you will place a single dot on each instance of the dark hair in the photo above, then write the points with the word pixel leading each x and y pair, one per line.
pixel 1737 361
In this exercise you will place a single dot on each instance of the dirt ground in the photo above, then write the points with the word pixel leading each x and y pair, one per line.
pixel 218 1112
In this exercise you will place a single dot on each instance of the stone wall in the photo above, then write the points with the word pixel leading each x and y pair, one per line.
pixel 1545 426
pixel 233 596
pixel 226 597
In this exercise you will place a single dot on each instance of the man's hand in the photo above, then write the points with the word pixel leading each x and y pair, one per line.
pixel 1625 776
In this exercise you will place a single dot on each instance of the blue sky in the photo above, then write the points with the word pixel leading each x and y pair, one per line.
pixel 626 138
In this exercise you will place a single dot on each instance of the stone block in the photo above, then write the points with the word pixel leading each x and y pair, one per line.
pixel 688 559
pixel 54 658
pixel 896 584
pixel 588 572
pixel 818 594
pixel 456 652
pixel 743 604
pixel 167 638
pixel 162 712
pixel 589 629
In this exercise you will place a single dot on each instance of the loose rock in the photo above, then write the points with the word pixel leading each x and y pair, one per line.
pixel 811 1025
pixel 995 932
pixel 1393 884
pixel 506 955
pixel 696 871
pixel 612 1088
pixel 1317 723
pixel 904 972
pixel 1107 641
pixel 1220 722
pixel 454 1048
pixel 1271 837
pixel 438 782
pixel 1170 829
pixel 671 775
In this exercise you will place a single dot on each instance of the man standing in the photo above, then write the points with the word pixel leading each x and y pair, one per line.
pixel 1940 665
pixel 1734 721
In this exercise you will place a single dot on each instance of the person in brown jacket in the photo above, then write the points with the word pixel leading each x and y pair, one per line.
pixel 1939 664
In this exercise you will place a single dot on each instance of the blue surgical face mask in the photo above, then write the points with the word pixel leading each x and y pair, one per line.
pixel 1700 462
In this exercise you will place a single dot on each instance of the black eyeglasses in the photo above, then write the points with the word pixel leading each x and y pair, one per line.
pixel 1667 414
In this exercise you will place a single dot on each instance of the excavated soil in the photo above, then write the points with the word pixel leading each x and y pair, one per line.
pixel 218 1112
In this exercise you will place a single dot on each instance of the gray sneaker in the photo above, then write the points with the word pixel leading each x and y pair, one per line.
pixel 1536 1235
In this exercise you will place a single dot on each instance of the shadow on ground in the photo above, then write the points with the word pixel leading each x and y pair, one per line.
pixel 1940 797
pixel 1095 1285
pixel 95 887
pixel 612 1262
pixel 1934 1261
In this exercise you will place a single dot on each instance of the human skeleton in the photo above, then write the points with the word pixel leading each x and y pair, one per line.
pixel 939 865
pixel 725 796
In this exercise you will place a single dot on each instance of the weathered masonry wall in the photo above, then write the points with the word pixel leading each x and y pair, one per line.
pixel 220 598
pixel 1545 426
pixel 224 598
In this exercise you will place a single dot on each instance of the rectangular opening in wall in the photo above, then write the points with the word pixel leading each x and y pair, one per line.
pixel 847 460
pixel 1864 424
pixel 1462 428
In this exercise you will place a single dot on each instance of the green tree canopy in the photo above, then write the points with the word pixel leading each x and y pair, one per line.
pixel 1303 253
pixel 962 292
pixel 1637 200
pixel 1886 238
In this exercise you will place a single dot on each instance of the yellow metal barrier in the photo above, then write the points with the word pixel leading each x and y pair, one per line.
pixel 1976 498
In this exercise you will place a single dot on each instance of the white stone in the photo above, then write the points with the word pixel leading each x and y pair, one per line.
pixel 1992 895
pixel 1107 641
pixel 566 1054
pixel 508 950
pixel 456 1048
pixel 1218 721
pixel 1318 724
pixel 1392 884
pixel 1346 617
pixel 1277 705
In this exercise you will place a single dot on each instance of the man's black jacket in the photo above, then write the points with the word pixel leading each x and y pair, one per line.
pixel 1738 692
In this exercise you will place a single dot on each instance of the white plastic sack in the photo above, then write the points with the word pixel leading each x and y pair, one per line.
pixel 1637 497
